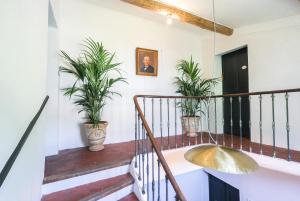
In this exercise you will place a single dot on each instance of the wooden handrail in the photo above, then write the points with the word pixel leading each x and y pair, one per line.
pixel 8 165
pixel 169 175
pixel 226 95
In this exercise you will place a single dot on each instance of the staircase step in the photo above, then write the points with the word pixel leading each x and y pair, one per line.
pixel 84 179
pixel 80 161
pixel 92 191
pixel 130 197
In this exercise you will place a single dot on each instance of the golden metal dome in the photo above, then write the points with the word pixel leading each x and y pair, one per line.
pixel 222 159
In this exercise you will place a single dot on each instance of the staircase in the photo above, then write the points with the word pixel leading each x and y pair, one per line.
pixel 81 175
pixel 78 174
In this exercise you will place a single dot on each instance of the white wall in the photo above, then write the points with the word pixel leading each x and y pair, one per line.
pixel 259 186
pixel 122 33
pixel 275 179
pixel 262 185
pixel 52 112
pixel 271 45
pixel 23 39
pixel 53 91
pixel 273 58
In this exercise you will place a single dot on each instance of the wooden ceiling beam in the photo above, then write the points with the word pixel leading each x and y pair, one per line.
pixel 181 14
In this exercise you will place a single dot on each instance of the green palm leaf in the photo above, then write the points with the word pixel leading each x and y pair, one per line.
pixel 190 83
pixel 95 74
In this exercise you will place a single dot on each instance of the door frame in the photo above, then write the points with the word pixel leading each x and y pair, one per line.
pixel 218 72
pixel 233 72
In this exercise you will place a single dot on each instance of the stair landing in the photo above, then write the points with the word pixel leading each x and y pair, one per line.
pixel 80 161
pixel 229 141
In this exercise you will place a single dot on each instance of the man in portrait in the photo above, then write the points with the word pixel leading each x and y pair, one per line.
pixel 147 67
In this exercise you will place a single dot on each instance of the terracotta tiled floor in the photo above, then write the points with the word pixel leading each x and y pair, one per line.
pixel 95 190
pixel 80 161
pixel 183 140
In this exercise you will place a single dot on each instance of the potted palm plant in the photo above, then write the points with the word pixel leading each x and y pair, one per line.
pixel 190 83
pixel 95 74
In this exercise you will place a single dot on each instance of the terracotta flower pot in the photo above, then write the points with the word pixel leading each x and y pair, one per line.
pixel 96 135
pixel 191 125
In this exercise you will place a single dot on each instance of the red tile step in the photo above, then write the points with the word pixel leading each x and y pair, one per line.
pixel 92 191
pixel 130 197
pixel 80 161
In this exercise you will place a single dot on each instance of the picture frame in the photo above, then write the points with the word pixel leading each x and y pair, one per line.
pixel 146 62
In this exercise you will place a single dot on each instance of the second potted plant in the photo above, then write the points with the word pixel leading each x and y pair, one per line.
pixel 95 74
pixel 190 83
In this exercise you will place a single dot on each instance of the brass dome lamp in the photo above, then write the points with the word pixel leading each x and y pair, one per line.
pixel 217 157
pixel 221 158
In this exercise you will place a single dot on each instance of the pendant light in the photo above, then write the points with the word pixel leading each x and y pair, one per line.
pixel 217 157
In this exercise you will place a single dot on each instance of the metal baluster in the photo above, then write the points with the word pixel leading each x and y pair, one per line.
pixel 260 123
pixel 152 116
pixel 231 122
pixel 189 127
pixel 216 125
pixel 143 159
pixel 139 147
pixel 223 121
pixel 143 148
pixel 167 188
pixel 196 138
pixel 153 179
pixel 161 124
pixel 208 120
pixel 175 103
pixel 241 123
pixel 288 125
pixel 201 122
pixel 273 125
pixel 135 137
pixel 147 153
pixel 168 121
pixel 152 153
pixel 250 145
pixel 182 124
pixel 158 180
pixel 147 167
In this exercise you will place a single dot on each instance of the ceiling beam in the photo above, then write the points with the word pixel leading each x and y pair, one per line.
pixel 181 14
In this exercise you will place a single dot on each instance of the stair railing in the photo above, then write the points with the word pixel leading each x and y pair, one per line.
pixel 10 162
pixel 264 127
pixel 142 153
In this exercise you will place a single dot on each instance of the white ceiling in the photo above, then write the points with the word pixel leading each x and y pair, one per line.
pixel 232 13
pixel 237 13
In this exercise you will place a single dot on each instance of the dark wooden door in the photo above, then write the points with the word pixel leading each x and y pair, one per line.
pixel 221 191
pixel 235 80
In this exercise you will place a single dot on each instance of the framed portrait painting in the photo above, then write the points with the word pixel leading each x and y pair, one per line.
pixel 146 62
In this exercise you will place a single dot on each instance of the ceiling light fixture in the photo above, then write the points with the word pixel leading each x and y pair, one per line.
pixel 164 12
pixel 222 159
pixel 170 16
pixel 169 19
pixel 217 157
